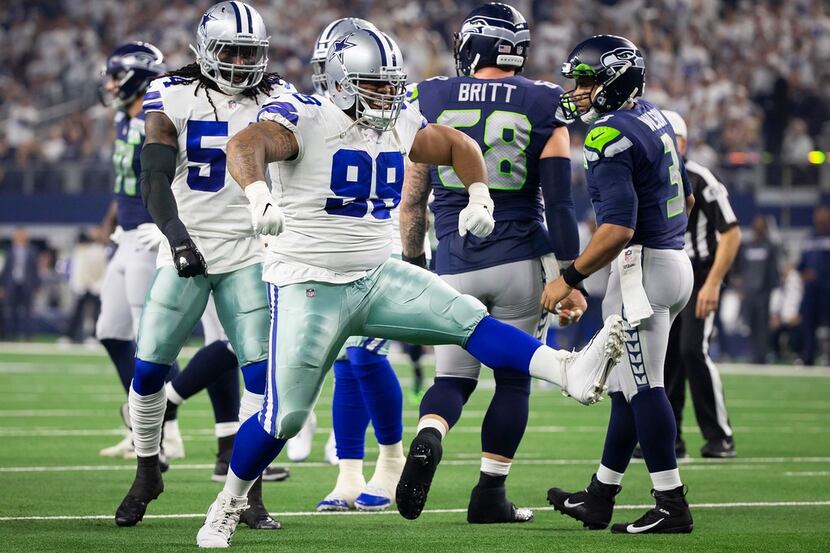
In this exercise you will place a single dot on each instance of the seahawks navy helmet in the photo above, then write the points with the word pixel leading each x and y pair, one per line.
pixel 493 35
pixel 614 68
pixel 130 68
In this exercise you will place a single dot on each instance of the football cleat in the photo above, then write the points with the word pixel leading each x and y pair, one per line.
pixel 344 494
pixel 256 516
pixel 172 442
pixel 491 506
pixel 298 448
pixel 333 503
pixel 593 506
pixel 671 515
pixel 221 521
pixel 223 464
pixel 585 372
pixel 373 498
pixel 719 449
pixel 122 450
pixel 275 474
pixel 147 486
pixel 377 494
pixel 424 455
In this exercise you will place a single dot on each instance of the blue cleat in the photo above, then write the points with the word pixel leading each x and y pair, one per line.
pixel 333 504
pixel 373 499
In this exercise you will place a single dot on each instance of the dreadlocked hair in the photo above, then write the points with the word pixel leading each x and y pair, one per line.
pixel 192 72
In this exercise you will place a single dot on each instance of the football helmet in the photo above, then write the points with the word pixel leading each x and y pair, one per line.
pixel 492 35
pixel 131 67
pixel 362 57
pixel 615 67
pixel 232 46
pixel 332 31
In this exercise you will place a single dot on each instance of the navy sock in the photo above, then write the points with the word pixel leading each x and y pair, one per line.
pixel 173 372
pixel 381 393
pixel 253 449
pixel 656 428
pixel 149 377
pixel 122 354
pixel 506 418
pixel 204 368
pixel 255 375
pixel 349 414
pixel 224 391
pixel 501 346
pixel 621 437
pixel 446 398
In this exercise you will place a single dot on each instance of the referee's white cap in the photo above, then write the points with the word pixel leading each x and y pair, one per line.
pixel 677 123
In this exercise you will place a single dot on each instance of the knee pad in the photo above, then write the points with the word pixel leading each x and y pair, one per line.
pixel 291 423
pixel 149 377
pixel 255 376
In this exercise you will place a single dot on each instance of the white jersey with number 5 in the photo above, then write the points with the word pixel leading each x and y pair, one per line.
pixel 211 204
pixel 337 194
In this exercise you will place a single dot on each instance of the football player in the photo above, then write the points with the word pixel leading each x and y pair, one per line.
pixel 191 113
pixel 641 195
pixel 526 149
pixel 340 161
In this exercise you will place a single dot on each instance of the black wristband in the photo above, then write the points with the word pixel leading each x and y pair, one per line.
pixel 572 276
pixel 420 261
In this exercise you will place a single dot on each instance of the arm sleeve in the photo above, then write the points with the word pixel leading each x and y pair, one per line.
pixel 614 197
pixel 158 167
pixel 560 215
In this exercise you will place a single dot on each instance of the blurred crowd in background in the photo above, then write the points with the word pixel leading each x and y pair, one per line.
pixel 750 77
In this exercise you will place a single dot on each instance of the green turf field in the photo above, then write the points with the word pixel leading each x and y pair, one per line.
pixel 58 408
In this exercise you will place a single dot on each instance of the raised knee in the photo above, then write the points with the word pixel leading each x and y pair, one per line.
pixel 291 423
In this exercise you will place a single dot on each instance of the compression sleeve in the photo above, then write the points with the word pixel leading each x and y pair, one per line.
pixel 158 167
pixel 555 175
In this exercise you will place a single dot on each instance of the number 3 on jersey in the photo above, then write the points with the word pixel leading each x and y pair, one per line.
pixel 359 194
pixel 506 137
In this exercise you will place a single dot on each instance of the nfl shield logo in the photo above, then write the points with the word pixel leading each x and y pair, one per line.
pixel 232 104
pixel 310 292
pixel 628 256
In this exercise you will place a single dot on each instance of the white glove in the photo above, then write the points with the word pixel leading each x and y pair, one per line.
pixel 477 217
pixel 149 236
pixel 266 217
pixel 116 235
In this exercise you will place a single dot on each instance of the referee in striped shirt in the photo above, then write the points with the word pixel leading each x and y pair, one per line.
pixel 712 241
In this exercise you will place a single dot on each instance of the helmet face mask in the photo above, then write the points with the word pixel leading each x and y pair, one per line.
pixel 333 31
pixel 367 57
pixel 128 73
pixel 232 47
pixel 492 35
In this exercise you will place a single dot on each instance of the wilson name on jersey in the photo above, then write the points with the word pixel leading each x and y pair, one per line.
pixel 337 194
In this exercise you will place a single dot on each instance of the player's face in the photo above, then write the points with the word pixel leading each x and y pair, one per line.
pixel 584 93
pixel 379 88
pixel 238 55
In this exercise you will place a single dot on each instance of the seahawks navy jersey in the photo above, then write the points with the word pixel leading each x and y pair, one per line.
pixel 126 157
pixel 635 176
pixel 512 120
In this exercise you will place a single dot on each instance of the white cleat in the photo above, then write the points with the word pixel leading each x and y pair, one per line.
pixel 122 450
pixel 172 444
pixel 221 521
pixel 298 448
pixel 330 452
pixel 585 372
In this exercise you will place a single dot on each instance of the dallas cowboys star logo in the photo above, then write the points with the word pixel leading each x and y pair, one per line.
pixel 340 45
pixel 205 18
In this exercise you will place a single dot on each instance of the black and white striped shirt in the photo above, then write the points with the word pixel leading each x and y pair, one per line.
pixel 711 215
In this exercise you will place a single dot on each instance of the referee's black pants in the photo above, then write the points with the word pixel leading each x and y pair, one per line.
pixel 687 357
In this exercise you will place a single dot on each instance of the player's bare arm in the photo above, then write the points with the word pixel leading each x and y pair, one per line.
pixel 413 210
pixel 709 295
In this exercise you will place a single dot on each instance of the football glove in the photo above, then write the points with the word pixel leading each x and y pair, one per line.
pixel 477 217
pixel 149 236
pixel 266 217
pixel 188 259
pixel 117 234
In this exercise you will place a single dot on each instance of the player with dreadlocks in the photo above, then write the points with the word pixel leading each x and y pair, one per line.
pixel 191 114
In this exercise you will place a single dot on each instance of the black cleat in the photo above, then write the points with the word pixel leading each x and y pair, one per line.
pixel 671 515
pixel 424 455
pixel 491 506
pixel 275 474
pixel 223 463
pixel 256 516
pixel 719 449
pixel 593 506
pixel 679 450
pixel 147 486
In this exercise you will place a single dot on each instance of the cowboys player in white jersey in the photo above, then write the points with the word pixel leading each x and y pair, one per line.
pixel 191 113
pixel 340 162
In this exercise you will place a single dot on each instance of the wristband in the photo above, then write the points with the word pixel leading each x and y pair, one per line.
pixel 419 261
pixel 573 277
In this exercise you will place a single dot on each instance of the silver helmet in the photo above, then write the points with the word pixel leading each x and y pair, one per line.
pixel 333 30
pixel 232 46
pixel 363 57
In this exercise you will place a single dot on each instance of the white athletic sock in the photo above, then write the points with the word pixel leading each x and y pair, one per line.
pixel 388 468
pixel 495 468
pixel 608 476
pixel 350 480
pixel 546 364
pixel 225 429
pixel 236 486
pixel 666 480
pixel 432 422
pixel 172 395
pixel 251 403
pixel 146 418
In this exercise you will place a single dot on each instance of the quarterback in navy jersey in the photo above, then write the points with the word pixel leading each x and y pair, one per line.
pixel 518 124
pixel 641 195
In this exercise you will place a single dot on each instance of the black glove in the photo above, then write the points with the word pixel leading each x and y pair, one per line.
pixel 188 259
pixel 420 261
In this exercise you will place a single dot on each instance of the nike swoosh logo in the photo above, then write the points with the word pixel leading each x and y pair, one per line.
pixel 631 529
pixel 570 505
pixel 594 136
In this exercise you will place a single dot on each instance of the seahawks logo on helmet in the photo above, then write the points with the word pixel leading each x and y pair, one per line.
pixel 620 56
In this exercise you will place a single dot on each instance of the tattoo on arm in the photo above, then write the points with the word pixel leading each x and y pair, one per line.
pixel 252 149
pixel 413 209
pixel 158 128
